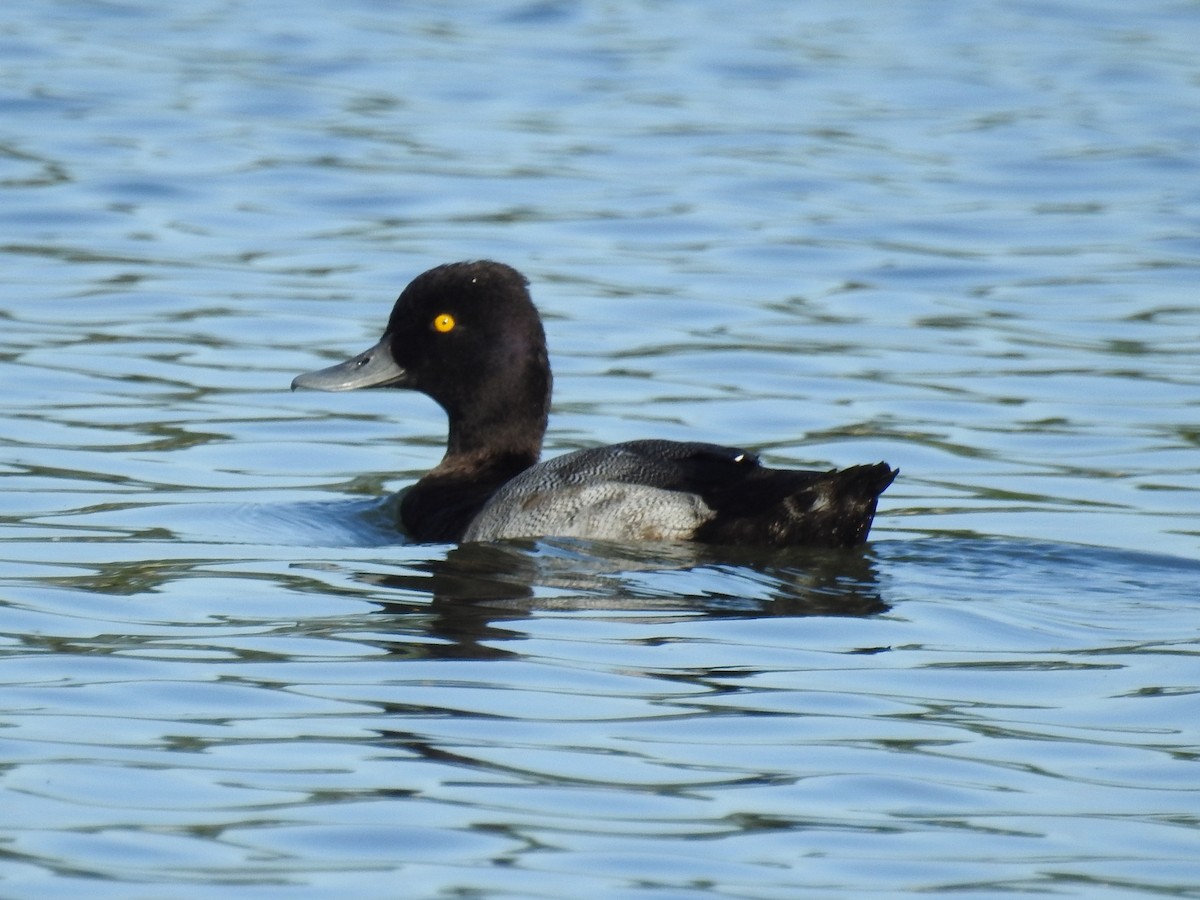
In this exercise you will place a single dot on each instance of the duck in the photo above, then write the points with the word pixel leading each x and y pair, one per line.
pixel 467 335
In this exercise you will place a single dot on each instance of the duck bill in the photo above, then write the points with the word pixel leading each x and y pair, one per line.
pixel 371 368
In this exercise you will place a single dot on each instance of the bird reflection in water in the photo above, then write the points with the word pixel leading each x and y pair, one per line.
pixel 476 587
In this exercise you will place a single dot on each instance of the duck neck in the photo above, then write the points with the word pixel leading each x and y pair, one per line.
pixel 498 413
pixel 481 437
pixel 482 453
pixel 500 425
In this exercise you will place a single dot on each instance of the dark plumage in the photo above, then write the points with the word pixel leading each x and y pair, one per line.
pixel 468 335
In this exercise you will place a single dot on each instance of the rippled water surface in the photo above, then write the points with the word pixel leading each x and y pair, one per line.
pixel 962 238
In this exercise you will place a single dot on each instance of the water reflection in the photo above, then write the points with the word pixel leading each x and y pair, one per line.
pixel 476 586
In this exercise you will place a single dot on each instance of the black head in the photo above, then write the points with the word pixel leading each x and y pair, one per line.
pixel 468 335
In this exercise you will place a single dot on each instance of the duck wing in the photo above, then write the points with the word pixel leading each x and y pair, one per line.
pixel 671 490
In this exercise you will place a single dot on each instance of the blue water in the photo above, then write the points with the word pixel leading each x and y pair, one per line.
pixel 961 238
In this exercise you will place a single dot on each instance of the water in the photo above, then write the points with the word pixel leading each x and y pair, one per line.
pixel 962 239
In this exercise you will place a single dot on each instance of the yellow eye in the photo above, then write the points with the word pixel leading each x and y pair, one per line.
pixel 443 323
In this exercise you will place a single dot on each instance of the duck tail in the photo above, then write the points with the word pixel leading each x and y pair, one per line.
pixel 782 508
pixel 843 508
